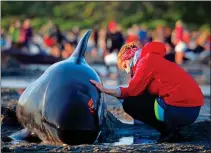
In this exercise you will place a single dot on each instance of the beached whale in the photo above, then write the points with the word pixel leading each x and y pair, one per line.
pixel 62 106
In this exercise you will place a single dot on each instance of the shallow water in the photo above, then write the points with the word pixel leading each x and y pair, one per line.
pixel 200 74
pixel 130 140
pixel 137 134
pixel 111 140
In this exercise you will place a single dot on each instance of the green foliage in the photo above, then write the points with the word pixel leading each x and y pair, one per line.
pixel 87 14
pixel 205 28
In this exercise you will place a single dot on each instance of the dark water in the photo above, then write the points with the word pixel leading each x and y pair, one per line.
pixel 137 134
pixel 124 136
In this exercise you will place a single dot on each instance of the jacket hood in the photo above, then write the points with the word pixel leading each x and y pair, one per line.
pixel 154 47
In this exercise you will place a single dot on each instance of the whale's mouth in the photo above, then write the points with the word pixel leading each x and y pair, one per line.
pixel 79 122
pixel 82 136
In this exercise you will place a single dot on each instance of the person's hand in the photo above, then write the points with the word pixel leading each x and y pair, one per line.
pixel 98 85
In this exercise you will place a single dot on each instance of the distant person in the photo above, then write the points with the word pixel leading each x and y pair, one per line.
pixel 114 41
pixel 179 30
pixel 6 42
pixel 160 94
pixel 3 40
pixel 192 44
pixel 201 48
pixel 26 33
pixel 58 36
pixel 178 41
pixel 201 42
pixel 135 28
pixel 96 36
pixel 159 33
pixel 132 36
pixel 186 36
pixel 95 42
pixel 75 32
pixel 143 34
pixel 102 42
pixel 67 51
pixel 167 36
pixel 14 31
pixel 170 53
pixel 40 43
pixel 47 28
pixel 114 38
pixel 49 40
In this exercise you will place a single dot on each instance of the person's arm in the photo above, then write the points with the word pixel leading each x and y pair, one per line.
pixel 112 92
pixel 142 77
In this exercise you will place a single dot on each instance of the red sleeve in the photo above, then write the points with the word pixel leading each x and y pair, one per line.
pixel 142 77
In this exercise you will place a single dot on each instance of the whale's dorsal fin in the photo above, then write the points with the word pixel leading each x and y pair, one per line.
pixel 81 47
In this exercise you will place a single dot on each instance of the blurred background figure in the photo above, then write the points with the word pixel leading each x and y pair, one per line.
pixel 3 40
pixel 95 38
pixel 26 33
pixel 47 28
pixel 75 32
pixel 132 36
pixel 114 41
pixel 114 38
pixel 57 35
pixel 102 42
pixel 180 45
pixel 142 34
pixel 159 33
pixel 67 51
pixel 168 36
pixel 14 31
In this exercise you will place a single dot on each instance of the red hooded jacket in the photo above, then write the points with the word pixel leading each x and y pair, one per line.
pixel 163 78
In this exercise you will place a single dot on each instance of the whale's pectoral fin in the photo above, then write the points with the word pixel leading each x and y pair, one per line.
pixel 21 135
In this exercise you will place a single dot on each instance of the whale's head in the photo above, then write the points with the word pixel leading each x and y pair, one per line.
pixel 73 105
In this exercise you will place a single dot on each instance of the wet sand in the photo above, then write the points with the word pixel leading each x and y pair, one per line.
pixel 128 138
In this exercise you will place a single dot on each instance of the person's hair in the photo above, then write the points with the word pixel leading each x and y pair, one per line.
pixel 125 48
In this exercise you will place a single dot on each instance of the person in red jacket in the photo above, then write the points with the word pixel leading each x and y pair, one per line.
pixel 160 93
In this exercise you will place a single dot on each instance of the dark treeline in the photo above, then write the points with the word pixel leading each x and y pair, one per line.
pixel 86 14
